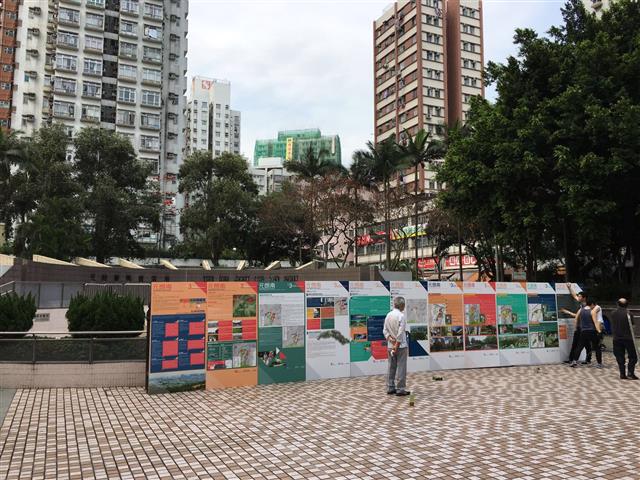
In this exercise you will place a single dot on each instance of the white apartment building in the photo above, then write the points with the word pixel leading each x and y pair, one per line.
pixel 211 124
pixel 269 174
pixel 119 65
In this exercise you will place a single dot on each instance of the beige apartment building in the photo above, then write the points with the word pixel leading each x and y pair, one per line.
pixel 428 61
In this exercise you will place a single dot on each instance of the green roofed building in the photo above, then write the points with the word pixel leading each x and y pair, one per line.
pixel 291 145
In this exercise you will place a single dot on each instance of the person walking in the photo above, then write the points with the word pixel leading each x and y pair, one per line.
pixel 581 300
pixel 590 329
pixel 395 331
pixel 623 340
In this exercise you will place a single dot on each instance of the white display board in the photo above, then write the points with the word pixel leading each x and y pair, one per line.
pixel 416 314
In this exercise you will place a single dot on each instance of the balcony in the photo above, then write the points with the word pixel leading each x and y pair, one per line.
pixel 130 8
pixel 67 41
pixel 62 89
pixel 72 19
pixel 98 4
pixel 90 115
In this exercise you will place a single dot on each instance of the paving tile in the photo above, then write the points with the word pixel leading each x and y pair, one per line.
pixel 502 423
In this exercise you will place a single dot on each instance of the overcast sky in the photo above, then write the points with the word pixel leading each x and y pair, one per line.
pixel 306 64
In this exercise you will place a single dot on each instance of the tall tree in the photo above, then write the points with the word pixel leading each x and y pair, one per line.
pixel 386 161
pixel 11 154
pixel 420 152
pixel 221 206
pixel 116 193
pixel 362 178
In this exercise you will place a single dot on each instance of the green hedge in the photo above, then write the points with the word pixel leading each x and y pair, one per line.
pixel 16 312
pixel 106 311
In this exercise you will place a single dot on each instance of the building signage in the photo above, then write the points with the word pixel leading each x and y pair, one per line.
pixel 289 154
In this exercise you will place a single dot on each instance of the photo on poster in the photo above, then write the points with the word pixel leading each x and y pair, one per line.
pixel 521 329
pixel 334 335
pixel 416 310
pixel 326 302
pixel 213 337
pixel 514 341
pixel 273 358
pixel 536 339
pixel 472 314
pixel 551 339
pixel 438 314
pixel 244 355
pixel 536 315
pixel 271 315
pixel 506 315
pixel 341 305
pixel 293 337
pixel 418 333
pixel 212 325
pixel 489 342
pixel 315 312
pixel 481 330
pixel 444 344
pixel 244 305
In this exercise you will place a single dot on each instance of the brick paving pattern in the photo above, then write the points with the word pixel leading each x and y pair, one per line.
pixel 505 423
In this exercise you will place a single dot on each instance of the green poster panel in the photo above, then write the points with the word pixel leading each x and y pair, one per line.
pixel 281 335
pixel 513 324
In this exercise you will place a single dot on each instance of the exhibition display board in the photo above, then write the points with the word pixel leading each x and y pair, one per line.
pixel 368 306
pixel 416 313
pixel 236 334
pixel 232 334
pixel 328 331
pixel 177 351
pixel 281 356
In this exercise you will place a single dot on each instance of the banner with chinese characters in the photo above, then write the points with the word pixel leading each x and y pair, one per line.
pixel 232 334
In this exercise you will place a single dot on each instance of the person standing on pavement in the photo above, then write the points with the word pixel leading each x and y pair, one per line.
pixel 623 340
pixel 395 331
pixel 574 353
pixel 590 328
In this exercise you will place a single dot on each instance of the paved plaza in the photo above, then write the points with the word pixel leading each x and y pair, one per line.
pixel 505 423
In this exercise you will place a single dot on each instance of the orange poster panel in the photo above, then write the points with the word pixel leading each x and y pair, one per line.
pixel 446 322
pixel 178 298
pixel 231 334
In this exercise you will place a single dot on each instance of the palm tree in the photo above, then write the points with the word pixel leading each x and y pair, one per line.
pixel 360 176
pixel 309 168
pixel 419 152
pixel 385 160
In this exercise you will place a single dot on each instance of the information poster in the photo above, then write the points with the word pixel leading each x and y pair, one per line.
pixel 543 323
pixel 416 314
pixel 513 323
pixel 567 308
pixel 480 332
pixel 177 353
pixel 368 307
pixel 328 335
pixel 281 319
pixel 232 333
pixel 446 325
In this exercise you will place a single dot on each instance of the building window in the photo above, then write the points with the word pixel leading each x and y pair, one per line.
pixel 67 39
pixel 66 62
pixel 153 164
pixel 128 28
pixel 151 75
pixel 149 143
pixel 64 85
pixel 63 109
pixel 153 11
pixel 127 95
pixel 95 3
pixel 129 6
pixel 126 117
pixel 152 54
pixel 127 71
pixel 66 15
pixel 91 113
pixel 91 89
pixel 151 98
pixel 129 50
pixel 5 104
pixel 93 43
pixel 94 20
pixel 150 120
pixel 152 32
pixel 92 66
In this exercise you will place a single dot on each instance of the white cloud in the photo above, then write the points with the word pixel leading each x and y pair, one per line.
pixel 306 64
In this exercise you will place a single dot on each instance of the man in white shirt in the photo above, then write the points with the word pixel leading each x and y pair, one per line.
pixel 395 331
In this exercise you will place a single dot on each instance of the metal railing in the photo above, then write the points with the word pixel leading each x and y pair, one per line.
pixel 73 347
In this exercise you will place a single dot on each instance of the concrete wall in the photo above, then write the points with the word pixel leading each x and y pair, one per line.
pixel 50 375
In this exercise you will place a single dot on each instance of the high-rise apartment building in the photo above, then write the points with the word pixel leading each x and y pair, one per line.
pixel 116 64
pixel 211 124
pixel 427 66
pixel 292 144
pixel 8 33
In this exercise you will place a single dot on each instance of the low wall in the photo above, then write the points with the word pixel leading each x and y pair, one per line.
pixel 60 375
